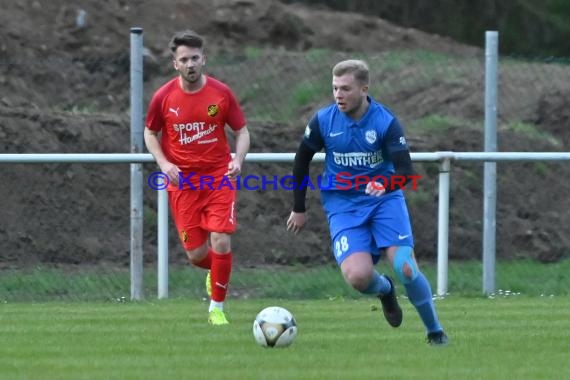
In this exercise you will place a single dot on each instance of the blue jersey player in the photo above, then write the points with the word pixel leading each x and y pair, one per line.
pixel 366 166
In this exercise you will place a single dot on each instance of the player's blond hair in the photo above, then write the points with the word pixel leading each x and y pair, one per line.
pixel 356 67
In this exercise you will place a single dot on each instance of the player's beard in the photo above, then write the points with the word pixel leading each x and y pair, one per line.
pixel 192 77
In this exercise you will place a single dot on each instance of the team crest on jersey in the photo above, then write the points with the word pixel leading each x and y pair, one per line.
pixel 183 236
pixel 213 110
pixel 370 137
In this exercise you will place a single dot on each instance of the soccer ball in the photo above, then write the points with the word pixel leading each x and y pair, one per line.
pixel 274 326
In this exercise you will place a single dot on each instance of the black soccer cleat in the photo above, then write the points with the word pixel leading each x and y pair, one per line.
pixel 437 338
pixel 390 307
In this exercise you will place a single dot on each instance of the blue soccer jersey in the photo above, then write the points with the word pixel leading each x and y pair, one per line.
pixel 358 152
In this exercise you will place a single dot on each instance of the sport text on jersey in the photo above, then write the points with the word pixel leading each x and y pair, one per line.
pixel 189 132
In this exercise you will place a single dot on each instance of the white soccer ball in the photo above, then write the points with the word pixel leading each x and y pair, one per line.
pixel 274 326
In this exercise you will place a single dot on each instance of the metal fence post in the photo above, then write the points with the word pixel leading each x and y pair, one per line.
pixel 490 168
pixel 136 168
pixel 162 243
pixel 443 227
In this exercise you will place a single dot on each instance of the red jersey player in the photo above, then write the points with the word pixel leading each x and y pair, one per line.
pixel 185 132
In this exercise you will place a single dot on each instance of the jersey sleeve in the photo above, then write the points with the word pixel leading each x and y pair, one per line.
pixel 313 137
pixel 394 140
pixel 154 116
pixel 236 118
pixel 398 152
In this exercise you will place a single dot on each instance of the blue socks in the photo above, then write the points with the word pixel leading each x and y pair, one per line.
pixel 419 293
pixel 378 285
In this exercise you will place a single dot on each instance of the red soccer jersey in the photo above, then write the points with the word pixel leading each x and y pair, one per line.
pixel 192 125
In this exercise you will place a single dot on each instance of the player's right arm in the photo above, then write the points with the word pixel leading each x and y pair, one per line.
pixel 154 125
pixel 152 142
pixel 312 142
pixel 298 217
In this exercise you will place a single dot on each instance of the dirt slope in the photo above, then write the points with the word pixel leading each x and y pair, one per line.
pixel 64 87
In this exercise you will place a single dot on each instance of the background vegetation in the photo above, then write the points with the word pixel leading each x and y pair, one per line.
pixel 526 26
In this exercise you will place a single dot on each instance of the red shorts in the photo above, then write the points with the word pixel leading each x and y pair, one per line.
pixel 198 212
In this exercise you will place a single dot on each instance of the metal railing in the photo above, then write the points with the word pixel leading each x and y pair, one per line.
pixel 444 158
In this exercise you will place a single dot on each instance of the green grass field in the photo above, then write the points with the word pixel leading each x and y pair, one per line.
pixel 514 337
pixel 109 283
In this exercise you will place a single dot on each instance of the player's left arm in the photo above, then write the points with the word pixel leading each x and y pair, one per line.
pixel 396 149
pixel 399 153
pixel 236 121
pixel 242 142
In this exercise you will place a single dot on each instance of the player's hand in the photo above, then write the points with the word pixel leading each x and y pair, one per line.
pixel 234 169
pixel 172 171
pixel 296 221
pixel 375 189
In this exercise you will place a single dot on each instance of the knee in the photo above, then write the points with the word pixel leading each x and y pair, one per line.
pixel 407 271
pixel 358 278
pixel 221 243
pixel 404 265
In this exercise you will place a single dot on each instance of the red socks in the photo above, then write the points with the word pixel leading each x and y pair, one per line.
pixel 220 272
pixel 220 266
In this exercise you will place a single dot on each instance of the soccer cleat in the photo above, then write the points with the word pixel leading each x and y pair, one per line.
pixel 437 338
pixel 209 284
pixel 390 307
pixel 217 318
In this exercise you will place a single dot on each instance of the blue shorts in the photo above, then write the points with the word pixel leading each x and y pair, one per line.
pixel 363 223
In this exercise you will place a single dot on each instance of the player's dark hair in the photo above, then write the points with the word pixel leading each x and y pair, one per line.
pixel 186 38
pixel 356 67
